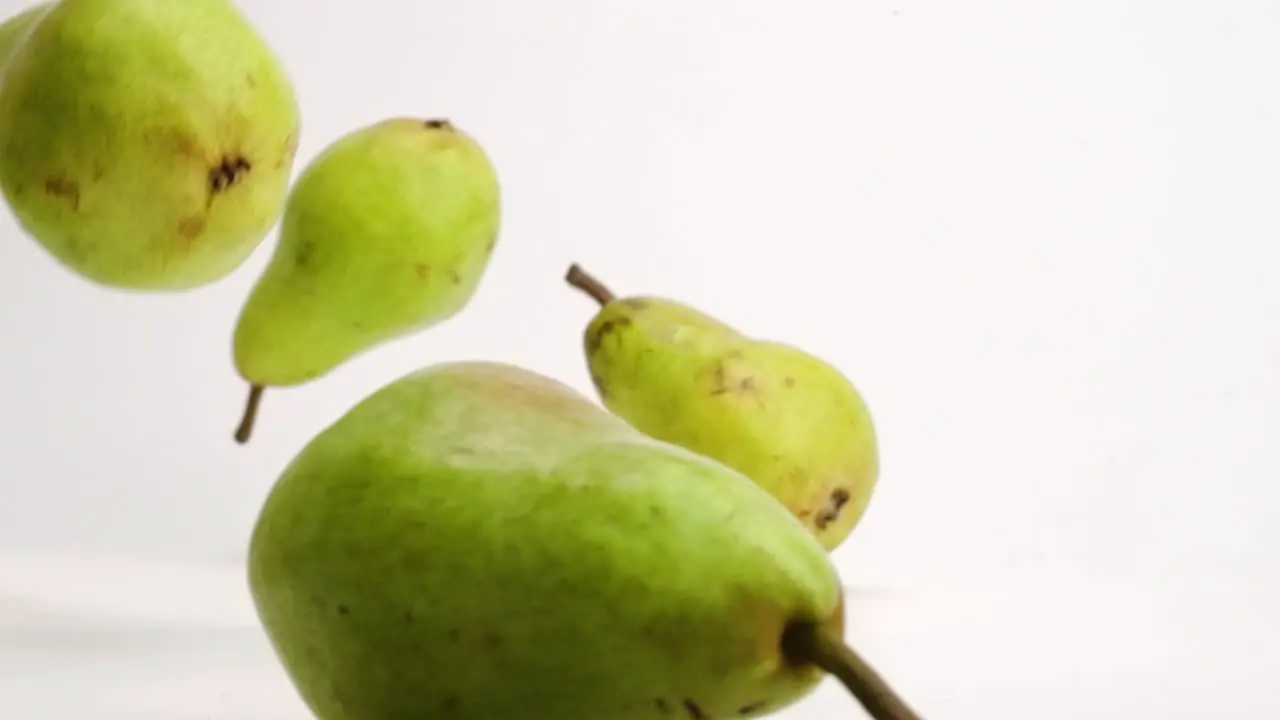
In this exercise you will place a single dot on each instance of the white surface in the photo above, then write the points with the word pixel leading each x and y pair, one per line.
pixel 1085 648
pixel 1040 237
pixel 43 588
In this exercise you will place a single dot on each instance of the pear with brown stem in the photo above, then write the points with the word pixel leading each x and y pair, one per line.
pixel 476 541
pixel 786 419
pixel 386 232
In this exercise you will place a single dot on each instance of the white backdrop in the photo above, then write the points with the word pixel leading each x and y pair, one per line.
pixel 1040 237
pixel 1041 241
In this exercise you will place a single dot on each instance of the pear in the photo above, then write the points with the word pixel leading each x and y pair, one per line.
pixel 478 541
pixel 784 418
pixel 386 232
pixel 14 29
pixel 146 144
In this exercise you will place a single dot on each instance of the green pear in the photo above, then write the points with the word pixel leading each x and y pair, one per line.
pixel 146 144
pixel 784 418
pixel 386 232
pixel 478 541
pixel 14 29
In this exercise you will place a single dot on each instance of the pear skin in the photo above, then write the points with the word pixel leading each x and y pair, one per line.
pixel 478 541
pixel 15 28
pixel 146 144
pixel 386 232
pixel 786 419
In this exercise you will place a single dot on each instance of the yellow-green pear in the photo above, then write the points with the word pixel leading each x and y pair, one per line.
pixel 386 232
pixel 786 419
pixel 145 144
pixel 477 541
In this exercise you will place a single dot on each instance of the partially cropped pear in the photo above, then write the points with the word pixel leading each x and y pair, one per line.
pixel 386 232
pixel 478 541
pixel 145 144
pixel 786 419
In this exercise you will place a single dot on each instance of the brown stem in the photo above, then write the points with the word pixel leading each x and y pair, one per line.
pixel 580 279
pixel 250 414
pixel 812 644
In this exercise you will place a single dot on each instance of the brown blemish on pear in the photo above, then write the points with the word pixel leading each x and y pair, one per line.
pixel 229 171
pixel 694 711
pixel 606 328
pixel 831 511
pixel 61 186
pixel 191 227
pixel 304 253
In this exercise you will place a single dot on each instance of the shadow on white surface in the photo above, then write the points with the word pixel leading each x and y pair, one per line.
pixel 115 640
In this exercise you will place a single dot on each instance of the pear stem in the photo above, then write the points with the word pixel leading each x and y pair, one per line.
pixel 582 280
pixel 245 428
pixel 812 644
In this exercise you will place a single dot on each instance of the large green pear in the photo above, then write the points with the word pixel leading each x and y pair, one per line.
pixel 477 541
pixel 146 144
pixel 386 232
pixel 783 417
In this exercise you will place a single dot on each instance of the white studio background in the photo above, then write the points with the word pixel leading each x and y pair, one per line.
pixel 1040 237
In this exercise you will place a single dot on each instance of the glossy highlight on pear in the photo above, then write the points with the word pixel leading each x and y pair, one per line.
pixel 476 540
pixel 786 419
pixel 386 232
